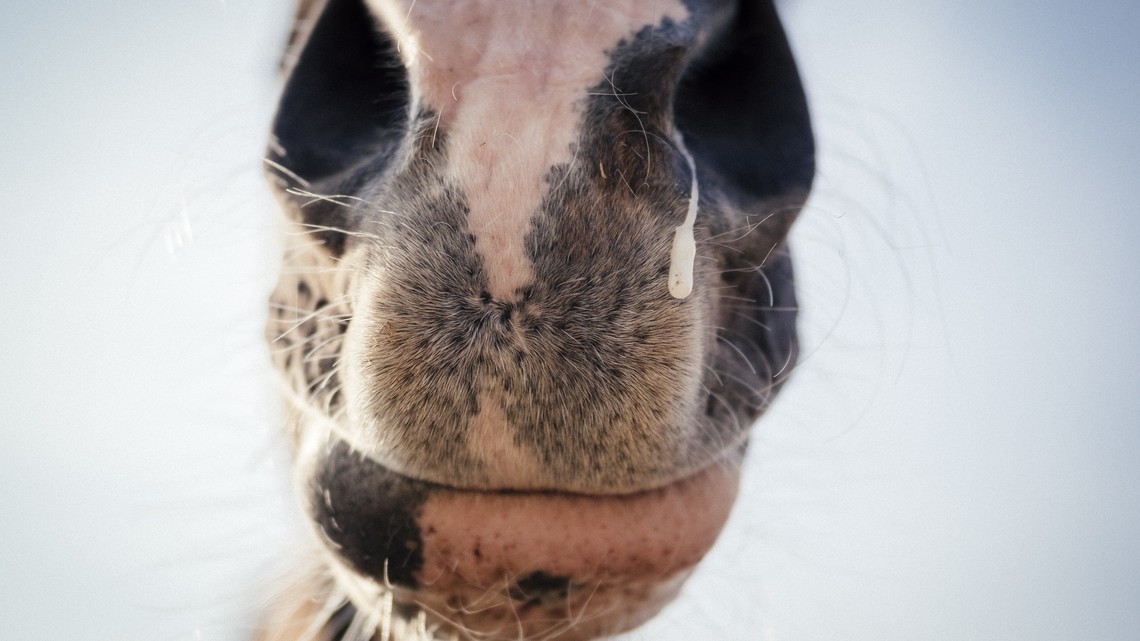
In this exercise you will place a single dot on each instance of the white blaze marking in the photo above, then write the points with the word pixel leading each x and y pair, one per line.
pixel 510 465
pixel 684 252
pixel 507 80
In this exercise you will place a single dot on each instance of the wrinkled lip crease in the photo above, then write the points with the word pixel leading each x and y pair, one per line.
pixel 498 561
pixel 480 537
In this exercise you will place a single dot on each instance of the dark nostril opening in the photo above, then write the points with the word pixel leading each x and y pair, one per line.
pixel 711 406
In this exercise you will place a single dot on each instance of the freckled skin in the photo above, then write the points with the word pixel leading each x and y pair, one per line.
pixel 479 556
pixel 650 534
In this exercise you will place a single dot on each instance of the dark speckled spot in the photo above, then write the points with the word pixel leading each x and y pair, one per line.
pixel 370 513
pixel 540 587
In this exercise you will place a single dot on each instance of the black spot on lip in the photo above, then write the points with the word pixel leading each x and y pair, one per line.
pixel 540 587
pixel 370 513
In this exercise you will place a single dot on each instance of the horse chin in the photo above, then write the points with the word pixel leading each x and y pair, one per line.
pixel 510 565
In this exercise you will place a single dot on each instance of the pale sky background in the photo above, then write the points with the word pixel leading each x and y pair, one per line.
pixel 955 460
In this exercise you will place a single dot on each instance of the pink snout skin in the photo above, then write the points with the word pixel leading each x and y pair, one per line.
pixel 511 564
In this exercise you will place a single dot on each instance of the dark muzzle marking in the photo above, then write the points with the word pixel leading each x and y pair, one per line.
pixel 369 513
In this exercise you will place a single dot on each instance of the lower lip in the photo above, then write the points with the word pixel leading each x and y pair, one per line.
pixel 480 538
pixel 508 565
pixel 520 564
